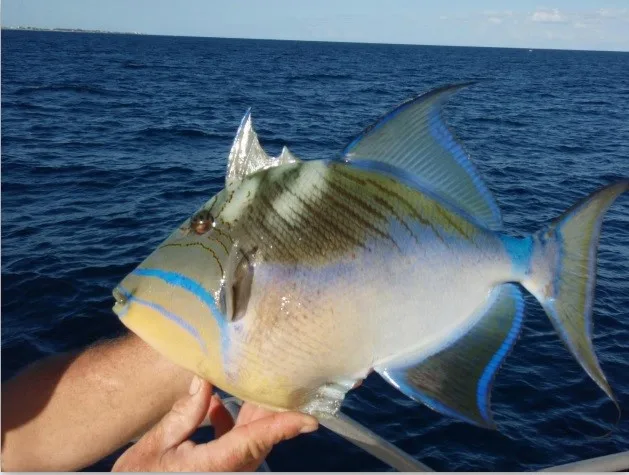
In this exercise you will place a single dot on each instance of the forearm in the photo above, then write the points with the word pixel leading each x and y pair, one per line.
pixel 68 411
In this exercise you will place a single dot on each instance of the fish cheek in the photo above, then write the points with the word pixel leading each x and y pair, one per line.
pixel 169 338
pixel 174 323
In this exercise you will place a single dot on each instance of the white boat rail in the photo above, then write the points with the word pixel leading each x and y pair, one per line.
pixel 607 463
pixel 396 458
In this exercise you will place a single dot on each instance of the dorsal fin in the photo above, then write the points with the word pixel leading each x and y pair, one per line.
pixel 286 156
pixel 247 155
pixel 415 139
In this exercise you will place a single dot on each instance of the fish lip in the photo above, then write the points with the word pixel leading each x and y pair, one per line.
pixel 123 298
pixel 121 295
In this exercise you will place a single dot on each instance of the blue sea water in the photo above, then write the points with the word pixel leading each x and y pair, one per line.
pixel 109 141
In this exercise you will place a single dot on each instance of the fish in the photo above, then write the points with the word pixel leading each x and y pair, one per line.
pixel 299 278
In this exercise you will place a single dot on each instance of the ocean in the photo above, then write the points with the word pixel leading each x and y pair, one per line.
pixel 109 141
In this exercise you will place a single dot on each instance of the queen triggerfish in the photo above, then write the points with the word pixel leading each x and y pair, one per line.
pixel 299 278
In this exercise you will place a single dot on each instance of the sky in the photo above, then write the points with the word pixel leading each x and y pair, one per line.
pixel 561 24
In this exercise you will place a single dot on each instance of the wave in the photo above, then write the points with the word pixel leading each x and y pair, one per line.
pixel 594 103
pixel 379 91
pixel 134 65
pixel 569 148
pixel 29 106
pixel 493 120
pixel 165 132
pixel 151 172
pixel 78 88
pixel 320 77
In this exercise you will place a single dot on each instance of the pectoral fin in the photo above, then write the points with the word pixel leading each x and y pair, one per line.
pixel 457 380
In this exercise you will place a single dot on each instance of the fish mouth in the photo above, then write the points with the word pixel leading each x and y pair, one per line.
pixel 122 297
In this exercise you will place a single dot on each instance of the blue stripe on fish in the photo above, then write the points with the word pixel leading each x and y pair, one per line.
pixel 184 282
pixel 190 285
pixel 169 315
pixel 432 403
pixel 484 383
pixel 520 251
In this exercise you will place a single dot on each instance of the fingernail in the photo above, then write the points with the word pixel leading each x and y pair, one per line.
pixel 195 385
pixel 309 427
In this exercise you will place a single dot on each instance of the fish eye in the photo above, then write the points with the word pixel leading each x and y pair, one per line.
pixel 202 221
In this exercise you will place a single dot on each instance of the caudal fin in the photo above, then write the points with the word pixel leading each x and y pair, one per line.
pixel 562 275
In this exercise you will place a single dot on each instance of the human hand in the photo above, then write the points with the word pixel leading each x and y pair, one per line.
pixel 242 446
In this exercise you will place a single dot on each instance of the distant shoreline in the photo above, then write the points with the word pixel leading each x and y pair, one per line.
pixel 70 30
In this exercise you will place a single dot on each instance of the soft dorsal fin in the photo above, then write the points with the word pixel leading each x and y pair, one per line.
pixel 247 155
pixel 415 139
pixel 457 380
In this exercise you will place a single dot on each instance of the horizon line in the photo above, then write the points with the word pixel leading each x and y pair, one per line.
pixel 99 31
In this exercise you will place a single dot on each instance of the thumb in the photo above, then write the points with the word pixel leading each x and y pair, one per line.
pixel 249 444
pixel 185 416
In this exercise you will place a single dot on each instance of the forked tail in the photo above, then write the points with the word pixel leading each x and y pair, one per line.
pixel 562 271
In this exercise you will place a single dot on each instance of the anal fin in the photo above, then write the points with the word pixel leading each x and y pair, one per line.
pixel 456 380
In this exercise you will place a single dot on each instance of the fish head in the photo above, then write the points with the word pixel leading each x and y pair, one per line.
pixel 214 299
pixel 174 300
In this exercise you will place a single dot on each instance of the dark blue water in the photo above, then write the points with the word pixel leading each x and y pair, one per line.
pixel 109 141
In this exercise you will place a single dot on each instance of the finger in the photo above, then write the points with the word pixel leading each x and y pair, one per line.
pixel 250 412
pixel 185 416
pixel 249 444
pixel 220 418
